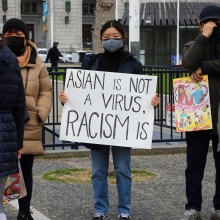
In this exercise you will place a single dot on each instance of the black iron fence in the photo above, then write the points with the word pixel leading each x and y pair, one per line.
pixel 163 131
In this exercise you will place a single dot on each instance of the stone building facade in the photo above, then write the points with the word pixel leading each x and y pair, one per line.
pixel 73 30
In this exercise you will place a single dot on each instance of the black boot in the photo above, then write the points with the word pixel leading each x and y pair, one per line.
pixel 26 215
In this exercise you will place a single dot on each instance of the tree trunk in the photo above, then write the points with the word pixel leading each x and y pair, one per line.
pixel 105 11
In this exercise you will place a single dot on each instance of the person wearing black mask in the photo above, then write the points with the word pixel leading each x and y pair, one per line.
pixel 53 55
pixel 38 91
pixel 202 56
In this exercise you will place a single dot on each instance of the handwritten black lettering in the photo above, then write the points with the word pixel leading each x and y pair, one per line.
pixel 119 102
pixel 140 86
pixel 125 103
pixel 101 84
pixel 80 85
pixel 107 122
pixel 94 113
pixel 88 99
pixel 83 123
pixel 117 84
pixel 86 80
pixel 70 80
pixel 119 99
pixel 103 97
pixel 139 105
pixel 144 131
pixel 143 134
pixel 96 125
pixel 117 119
pixel 71 122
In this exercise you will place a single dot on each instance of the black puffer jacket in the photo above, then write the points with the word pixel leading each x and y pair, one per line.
pixel 199 53
pixel 12 107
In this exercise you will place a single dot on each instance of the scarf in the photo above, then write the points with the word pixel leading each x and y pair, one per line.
pixel 24 58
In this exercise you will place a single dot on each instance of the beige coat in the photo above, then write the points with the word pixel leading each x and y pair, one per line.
pixel 38 100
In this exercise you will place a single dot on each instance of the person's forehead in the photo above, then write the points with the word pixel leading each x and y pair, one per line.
pixel 111 30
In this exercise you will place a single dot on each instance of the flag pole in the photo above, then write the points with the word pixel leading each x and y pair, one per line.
pixel 177 32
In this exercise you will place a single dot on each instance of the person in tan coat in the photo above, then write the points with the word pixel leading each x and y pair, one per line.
pixel 38 102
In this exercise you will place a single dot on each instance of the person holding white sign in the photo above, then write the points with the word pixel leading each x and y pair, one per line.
pixel 114 59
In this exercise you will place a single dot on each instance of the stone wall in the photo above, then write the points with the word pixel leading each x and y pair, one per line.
pixel 69 35
pixel 13 11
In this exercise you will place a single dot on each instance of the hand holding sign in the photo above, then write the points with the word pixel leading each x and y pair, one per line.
pixel 155 101
pixel 196 76
pixel 63 98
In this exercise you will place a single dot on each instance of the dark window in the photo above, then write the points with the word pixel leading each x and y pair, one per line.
pixel 146 41
pixel 161 41
pixel 85 8
pixel 28 7
pixel 173 41
pixel 88 9
pixel 92 8
pixel 157 45
pixel 33 7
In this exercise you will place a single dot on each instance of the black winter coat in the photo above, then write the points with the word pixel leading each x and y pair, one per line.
pixel 53 54
pixel 197 54
pixel 12 107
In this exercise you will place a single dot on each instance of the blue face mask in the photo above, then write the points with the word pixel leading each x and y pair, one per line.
pixel 112 44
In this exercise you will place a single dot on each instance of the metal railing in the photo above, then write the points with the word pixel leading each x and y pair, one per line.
pixel 165 74
pixel 162 132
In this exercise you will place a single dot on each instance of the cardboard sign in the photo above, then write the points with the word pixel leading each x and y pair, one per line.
pixel 108 108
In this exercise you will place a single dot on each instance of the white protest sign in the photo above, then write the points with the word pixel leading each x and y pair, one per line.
pixel 108 108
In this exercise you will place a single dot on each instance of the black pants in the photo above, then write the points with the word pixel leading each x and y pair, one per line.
pixel 54 63
pixel 197 149
pixel 26 166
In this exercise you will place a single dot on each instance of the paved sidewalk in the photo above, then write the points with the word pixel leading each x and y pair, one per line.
pixel 160 199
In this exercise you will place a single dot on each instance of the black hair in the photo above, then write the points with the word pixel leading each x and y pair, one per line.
pixel 115 24
pixel 207 20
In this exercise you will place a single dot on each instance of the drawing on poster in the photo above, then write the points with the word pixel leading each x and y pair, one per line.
pixel 192 104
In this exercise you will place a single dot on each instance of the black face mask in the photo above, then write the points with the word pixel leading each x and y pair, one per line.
pixel 216 31
pixel 16 44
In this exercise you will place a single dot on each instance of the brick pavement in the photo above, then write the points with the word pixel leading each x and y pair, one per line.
pixel 160 199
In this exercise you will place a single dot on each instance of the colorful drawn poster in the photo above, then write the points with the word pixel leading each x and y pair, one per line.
pixel 192 104
pixel 15 186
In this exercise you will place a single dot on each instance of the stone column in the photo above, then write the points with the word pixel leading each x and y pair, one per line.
pixel 105 11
